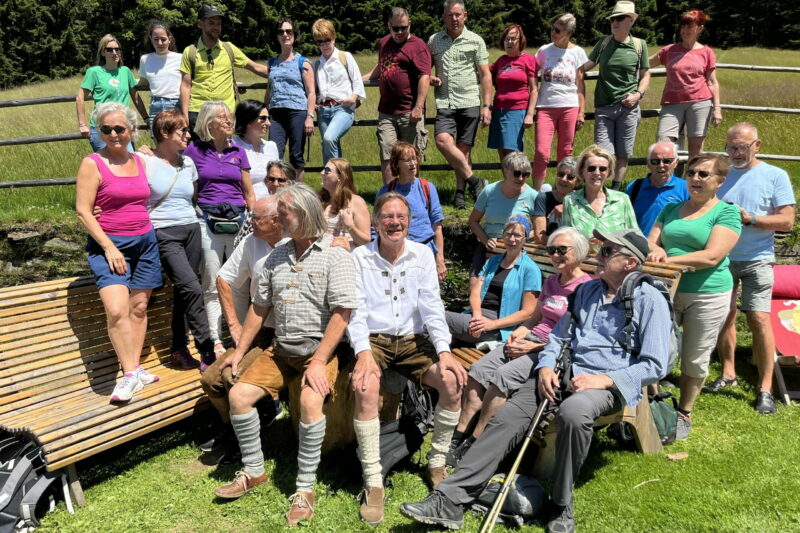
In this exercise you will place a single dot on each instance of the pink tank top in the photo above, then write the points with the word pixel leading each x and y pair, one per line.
pixel 123 200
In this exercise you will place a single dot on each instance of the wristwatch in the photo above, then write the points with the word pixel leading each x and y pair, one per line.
pixel 488 106
pixel 310 115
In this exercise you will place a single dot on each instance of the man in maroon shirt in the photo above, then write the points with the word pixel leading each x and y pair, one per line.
pixel 404 68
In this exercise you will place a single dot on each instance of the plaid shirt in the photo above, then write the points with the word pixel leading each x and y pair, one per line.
pixel 305 291
pixel 617 213
pixel 457 63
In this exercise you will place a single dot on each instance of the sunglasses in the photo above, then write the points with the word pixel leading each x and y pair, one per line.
pixel 210 60
pixel 560 250
pixel 262 118
pixel 521 174
pixel 273 179
pixel 327 170
pixel 662 161
pixel 285 32
pixel 119 130
pixel 702 174
pixel 111 50
pixel 555 30
pixel 184 131
pixel 567 175
pixel 398 29
pixel 323 41
pixel 618 18
pixel 592 168
pixel 608 251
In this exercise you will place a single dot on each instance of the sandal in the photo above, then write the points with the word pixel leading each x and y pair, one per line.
pixel 721 383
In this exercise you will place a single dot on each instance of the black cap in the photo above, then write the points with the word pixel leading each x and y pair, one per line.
pixel 631 239
pixel 207 11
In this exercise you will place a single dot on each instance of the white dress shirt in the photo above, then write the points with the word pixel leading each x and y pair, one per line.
pixel 333 82
pixel 397 299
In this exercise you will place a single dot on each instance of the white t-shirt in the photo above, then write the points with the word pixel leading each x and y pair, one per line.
pixel 163 73
pixel 258 163
pixel 557 72
pixel 176 209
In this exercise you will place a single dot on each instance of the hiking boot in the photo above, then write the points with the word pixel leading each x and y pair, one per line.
pixel 765 403
pixel 476 185
pixel 242 483
pixel 684 427
pixel 302 507
pixel 224 437
pixel 145 377
pixel 435 475
pixel 183 360
pixel 435 510
pixel 454 457
pixel 371 510
pixel 126 387
pixel 458 200
pixel 562 521
pixel 721 383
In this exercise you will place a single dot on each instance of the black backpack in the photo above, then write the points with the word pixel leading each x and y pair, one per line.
pixel 402 438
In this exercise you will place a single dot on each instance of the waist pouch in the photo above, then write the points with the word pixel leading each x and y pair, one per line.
pixel 296 347
pixel 224 218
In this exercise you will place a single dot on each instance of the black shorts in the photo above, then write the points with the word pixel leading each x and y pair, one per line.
pixel 462 124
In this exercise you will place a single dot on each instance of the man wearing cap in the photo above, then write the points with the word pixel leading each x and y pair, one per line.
pixel 766 202
pixel 604 379
pixel 404 74
pixel 660 187
pixel 623 79
pixel 207 67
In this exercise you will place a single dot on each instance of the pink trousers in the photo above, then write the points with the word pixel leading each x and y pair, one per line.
pixel 550 120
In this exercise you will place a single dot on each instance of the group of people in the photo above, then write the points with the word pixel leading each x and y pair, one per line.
pixel 303 277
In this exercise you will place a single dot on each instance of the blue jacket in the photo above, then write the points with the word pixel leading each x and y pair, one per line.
pixel 524 276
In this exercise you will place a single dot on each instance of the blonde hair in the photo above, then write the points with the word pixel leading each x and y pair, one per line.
pixel 594 150
pixel 207 113
pixel 323 29
pixel 101 47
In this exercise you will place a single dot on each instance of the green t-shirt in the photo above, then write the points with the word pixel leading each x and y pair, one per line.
pixel 213 80
pixel 617 213
pixel 108 85
pixel 679 237
pixel 619 64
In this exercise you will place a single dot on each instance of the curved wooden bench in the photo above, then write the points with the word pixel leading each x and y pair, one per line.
pixel 58 368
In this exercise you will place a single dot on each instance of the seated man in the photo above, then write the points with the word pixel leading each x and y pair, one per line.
pixel 398 301
pixel 311 286
pixel 604 379
pixel 237 282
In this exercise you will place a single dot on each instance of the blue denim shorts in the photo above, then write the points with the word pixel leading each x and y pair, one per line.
pixel 141 256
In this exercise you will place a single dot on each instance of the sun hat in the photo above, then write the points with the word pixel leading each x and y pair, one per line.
pixel 623 8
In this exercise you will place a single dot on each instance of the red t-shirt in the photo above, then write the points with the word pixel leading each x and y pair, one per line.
pixel 401 67
pixel 686 73
pixel 510 77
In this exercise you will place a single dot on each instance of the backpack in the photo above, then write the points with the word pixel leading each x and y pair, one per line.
pixel 526 499
pixel 227 47
pixel 343 59
pixel 665 416
pixel 637 45
pixel 426 191
pixel 637 186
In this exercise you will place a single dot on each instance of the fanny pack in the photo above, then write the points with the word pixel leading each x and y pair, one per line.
pixel 296 347
pixel 224 218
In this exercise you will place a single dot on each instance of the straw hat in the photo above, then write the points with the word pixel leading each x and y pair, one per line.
pixel 624 8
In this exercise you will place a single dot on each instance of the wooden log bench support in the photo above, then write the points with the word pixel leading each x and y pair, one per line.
pixel 58 368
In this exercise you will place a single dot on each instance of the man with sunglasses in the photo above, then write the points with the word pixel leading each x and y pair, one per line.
pixel 766 202
pixel 604 378
pixel 404 74
pixel 660 187
pixel 207 67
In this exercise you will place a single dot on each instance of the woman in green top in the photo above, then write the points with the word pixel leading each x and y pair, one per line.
pixel 107 81
pixel 699 232
pixel 596 206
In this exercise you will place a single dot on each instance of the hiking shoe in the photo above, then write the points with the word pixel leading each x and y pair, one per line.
pixel 242 483
pixel 435 510
pixel 721 383
pixel 684 427
pixel 458 200
pixel 224 437
pixel 562 521
pixel 454 457
pixel 183 360
pixel 435 475
pixel 302 508
pixel 371 510
pixel 126 387
pixel 476 185
pixel 765 403
pixel 145 377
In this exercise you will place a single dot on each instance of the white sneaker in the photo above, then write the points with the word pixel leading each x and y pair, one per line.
pixel 126 387
pixel 145 377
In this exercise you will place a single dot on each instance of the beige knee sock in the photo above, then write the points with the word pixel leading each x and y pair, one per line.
pixel 444 423
pixel 368 433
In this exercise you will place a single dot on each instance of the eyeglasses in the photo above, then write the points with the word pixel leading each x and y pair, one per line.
pixel 388 217
pixel 618 18
pixel 273 179
pixel 285 32
pixel 662 161
pixel 609 251
pixel 119 130
pixel 567 175
pixel 327 170
pixel 111 50
pixel 262 118
pixel 184 131
pixel 224 119
pixel 398 29
pixel 409 160
pixel 320 42
pixel 521 174
pixel 738 148
pixel 592 168
pixel 702 174
pixel 510 234
pixel 261 217
pixel 511 39
pixel 560 250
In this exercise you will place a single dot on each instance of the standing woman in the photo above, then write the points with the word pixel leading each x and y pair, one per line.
pixel 291 97
pixel 346 212
pixel 224 192
pixel 339 89
pixel 699 232
pixel 161 70
pixel 562 95
pixel 691 92
pixel 514 106
pixel 123 253
pixel 107 81
pixel 549 205
pixel 252 123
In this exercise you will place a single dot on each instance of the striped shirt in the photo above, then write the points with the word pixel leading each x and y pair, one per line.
pixel 457 63
pixel 617 213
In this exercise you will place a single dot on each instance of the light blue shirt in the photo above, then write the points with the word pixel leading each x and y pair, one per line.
pixel 286 86
pixel 597 346
pixel 759 191
pixel 524 276
pixel 176 209
pixel 651 200
pixel 497 208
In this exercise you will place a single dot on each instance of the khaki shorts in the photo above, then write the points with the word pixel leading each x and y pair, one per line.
pixel 273 372
pixel 411 355
pixel 393 128
pixel 694 115
pixel 757 279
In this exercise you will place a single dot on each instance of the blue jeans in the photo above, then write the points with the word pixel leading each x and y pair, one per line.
pixel 159 104
pixel 97 142
pixel 334 122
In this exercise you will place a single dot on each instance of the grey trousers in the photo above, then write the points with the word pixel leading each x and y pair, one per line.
pixel 505 432
pixel 458 324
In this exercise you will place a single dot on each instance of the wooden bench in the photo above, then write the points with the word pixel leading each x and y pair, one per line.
pixel 640 417
pixel 58 368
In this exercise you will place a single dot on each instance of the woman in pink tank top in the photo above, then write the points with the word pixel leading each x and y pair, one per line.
pixel 123 252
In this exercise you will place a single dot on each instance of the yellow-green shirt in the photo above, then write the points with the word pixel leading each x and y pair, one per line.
pixel 213 80
pixel 457 63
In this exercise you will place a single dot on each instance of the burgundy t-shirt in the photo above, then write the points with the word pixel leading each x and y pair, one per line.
pixel 401 67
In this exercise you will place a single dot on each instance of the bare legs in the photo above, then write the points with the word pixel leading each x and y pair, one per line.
pixel 126 314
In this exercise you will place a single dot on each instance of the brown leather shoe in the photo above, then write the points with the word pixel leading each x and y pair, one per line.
pixel 372 505
pixel 435 475
pixel 302 507
pixel 243 482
